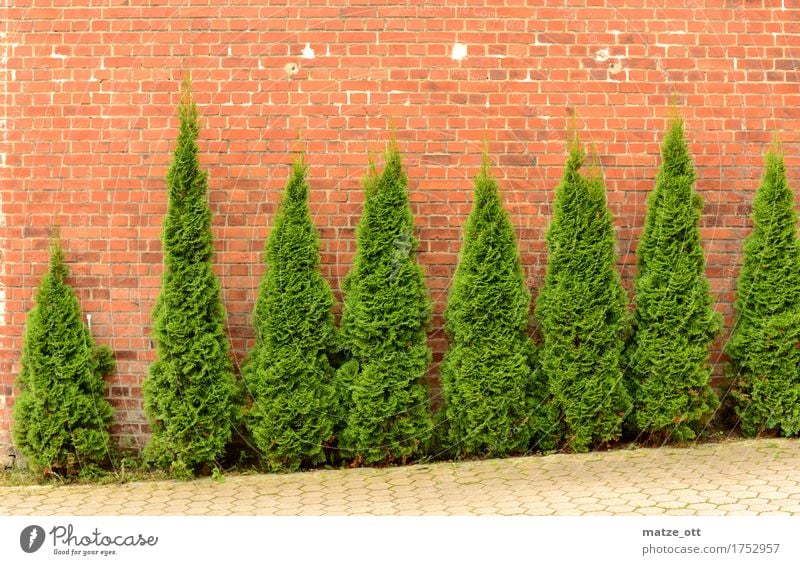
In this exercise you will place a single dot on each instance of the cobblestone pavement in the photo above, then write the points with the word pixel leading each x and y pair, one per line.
pixel 738 477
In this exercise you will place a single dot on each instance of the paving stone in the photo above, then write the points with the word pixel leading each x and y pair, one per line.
pixel 511 511
pixel 586 508
pixel 663 498
pixel 635 497
pixel 621 509
pixel 459 509
pixel 671 504
pixel 680 512
pixel 650 511
pixel 485 510
pixel 737 477
pixel 719 500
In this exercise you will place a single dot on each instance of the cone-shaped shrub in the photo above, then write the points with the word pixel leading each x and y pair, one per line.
pixel 674 321
pixel 582 312
pixel 765 359
pixel 288 374
pixel 61 416
pixel 486 374
pixel 386 314
pixel 190 393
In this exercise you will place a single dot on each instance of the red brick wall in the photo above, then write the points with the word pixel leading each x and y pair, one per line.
pixel 88 124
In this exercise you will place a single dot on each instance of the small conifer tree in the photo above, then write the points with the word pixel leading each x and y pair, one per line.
pixel 486 373
pixel 763 348
pixel 387 311
pixel 191 395
pixel 288 373
pixel 61 417
pixel 582 312
pixel 674 320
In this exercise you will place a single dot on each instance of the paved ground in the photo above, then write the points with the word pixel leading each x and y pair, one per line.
pixel 740 477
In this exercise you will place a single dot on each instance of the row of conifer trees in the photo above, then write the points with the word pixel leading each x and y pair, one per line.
pixel 311 392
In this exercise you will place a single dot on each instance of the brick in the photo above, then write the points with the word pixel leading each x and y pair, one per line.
pixel 90 122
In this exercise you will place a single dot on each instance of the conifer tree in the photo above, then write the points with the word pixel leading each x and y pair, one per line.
pixel 61 417
pixel 191 395
pixel 674 320
pixel 582 312
pixel 486 375
pixel 288 374
pixel 765 359
pixel 387 311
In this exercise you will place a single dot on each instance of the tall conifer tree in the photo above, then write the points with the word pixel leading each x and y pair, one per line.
pixel 61 417
pixel 582 312
pixel 387 312
pixel 674 321
pixel 486 375
pixel 191 395
pixel 288 373
pixel 764 353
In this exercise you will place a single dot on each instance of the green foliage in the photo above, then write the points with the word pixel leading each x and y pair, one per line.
pixel 61 417
pixel 191 393
pixel 763 348
pixel 386 314
pixel 486 374
pixel 288 373
pixel 674 321
pixel 582 312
